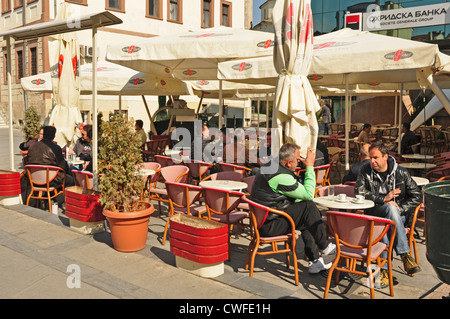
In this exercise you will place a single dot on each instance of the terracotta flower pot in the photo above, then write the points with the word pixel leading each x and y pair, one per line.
pixel 129 229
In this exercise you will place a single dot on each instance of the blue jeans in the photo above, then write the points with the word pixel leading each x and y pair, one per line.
pixel 400 241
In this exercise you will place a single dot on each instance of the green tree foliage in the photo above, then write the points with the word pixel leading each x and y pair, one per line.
pixel 32 124
pixel 119 154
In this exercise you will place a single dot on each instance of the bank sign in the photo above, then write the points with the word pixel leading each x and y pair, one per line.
pixel 376 20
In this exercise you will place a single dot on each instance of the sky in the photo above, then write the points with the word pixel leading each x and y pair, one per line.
pixel 256 11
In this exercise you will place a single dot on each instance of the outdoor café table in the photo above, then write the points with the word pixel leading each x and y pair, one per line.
pixel 416 165
pixel 420 181
pixel 420 157
pixel 349 203
pixel 224 184
pixel 75 162
pixel 144 172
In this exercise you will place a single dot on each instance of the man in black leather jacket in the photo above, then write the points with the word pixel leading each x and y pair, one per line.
pixel 395 194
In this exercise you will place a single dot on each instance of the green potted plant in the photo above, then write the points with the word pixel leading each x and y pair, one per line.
pixel 32 124
pixel 30 129
pixel 121 185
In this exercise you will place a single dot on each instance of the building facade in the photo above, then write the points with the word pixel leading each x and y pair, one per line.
pixel 141 19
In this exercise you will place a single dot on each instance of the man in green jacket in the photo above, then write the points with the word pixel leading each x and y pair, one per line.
pixel 278 186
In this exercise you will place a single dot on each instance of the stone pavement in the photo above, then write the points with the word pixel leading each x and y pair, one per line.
pixel 40 255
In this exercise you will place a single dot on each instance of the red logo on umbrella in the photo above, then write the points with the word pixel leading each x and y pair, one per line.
pixel 205 35
pixel 189 72
pixel 167 70
pixel 136 81
pixel 38 81
pixel 242 66
pixel 163 82
pixel 131 49
pixel 324 45
pixel 315 77
pixel 289 15
pixel 75 65
pixel 60 65
pixel 398 55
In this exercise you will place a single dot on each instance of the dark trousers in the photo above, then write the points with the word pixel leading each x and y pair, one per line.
pixel 308 220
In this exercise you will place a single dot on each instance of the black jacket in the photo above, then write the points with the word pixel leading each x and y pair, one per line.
pixel 398 177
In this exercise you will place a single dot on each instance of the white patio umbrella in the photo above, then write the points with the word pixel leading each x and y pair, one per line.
pixel 355 60
pixel 192 55
pixel 113 79
pixel 64 55
pixel 295 104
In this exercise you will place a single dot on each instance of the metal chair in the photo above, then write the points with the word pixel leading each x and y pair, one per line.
pixel 149 180
pixel 40 177
pixel 167 160
pixel 83 179
pixel 225 167
pixel 182 200
pixel 258 215
pixel 173 173
pixel 221 206
pixel 197 171
pixel 358 238
pixel 230 176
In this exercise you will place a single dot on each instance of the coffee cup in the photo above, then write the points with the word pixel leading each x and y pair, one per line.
pixel 359 198
pixel 342 197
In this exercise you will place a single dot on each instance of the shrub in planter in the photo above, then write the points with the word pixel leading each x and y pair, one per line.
pixel 121 186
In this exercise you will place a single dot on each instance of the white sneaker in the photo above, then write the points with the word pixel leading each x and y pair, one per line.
pixel 317 266
pixel 330 250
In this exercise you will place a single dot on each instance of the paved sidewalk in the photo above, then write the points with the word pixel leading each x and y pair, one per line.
pixel 40 253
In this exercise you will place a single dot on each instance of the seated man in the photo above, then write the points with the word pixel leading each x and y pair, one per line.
pixel 408 139
pixel 396 196
pixel 282 190
pixel 45 152
pixel 82 147
pixel 352 174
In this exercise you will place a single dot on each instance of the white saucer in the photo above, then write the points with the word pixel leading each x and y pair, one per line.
pixel 355 201
pixel 341 200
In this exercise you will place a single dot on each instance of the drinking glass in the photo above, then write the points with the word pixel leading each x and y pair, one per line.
pixel 331 192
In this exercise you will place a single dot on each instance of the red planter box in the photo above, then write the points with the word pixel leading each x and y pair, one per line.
pixel 198 240
pixel 9 183
pixel 82 204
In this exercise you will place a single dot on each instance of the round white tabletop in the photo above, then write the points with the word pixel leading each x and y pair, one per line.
pixel 420 181
pixel 348 204
pixel 144 171
pixel 75 162
pixel 416 165
pixel 224 184
pixel 418 156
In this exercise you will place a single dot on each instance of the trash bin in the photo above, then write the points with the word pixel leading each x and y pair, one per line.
pixel 437 225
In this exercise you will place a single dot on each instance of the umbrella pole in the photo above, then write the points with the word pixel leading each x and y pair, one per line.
pixel 152 124
pixel 200 103
pixel 220 122
pixel 257 116
pixel 11 132
pixel 94 110
pixel 347 126
pixel 400 104
pixel 267 112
